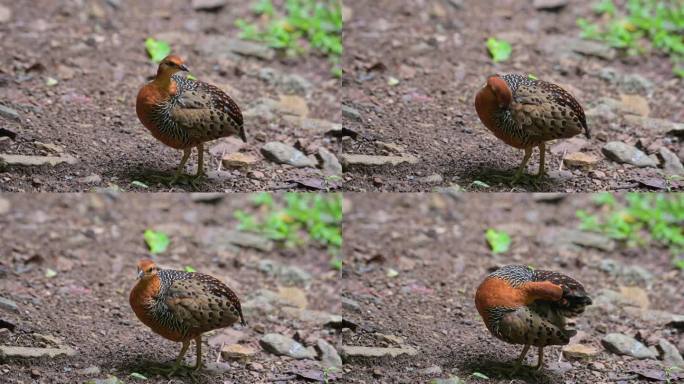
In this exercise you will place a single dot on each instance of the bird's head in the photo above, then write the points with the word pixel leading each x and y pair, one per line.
pixel 147 269
pixel 170 65
pixel 498 90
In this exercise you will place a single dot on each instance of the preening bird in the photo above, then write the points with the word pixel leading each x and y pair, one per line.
pixel 526 113
pixel 184 113
pixel 521 305
pixel 181 306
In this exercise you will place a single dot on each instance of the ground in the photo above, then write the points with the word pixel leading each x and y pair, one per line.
pixel 95 51
pixel 412 69
pixel 414 261
pixel 93 241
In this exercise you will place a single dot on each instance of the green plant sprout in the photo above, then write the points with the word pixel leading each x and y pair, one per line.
pixel 644 219
pixel 643 25
pixel 499 49
pixel 318 23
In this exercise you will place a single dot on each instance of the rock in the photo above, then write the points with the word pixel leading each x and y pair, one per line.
pixel 671 164
pixel 589 239
pixel 636 274
pixel 290 83
pixel 8 305
pixel 431 371
pixel 294 105
pixel 349 160
pixel 452 379
pixel 215 46
pixel 294 296
pixel 247 48
pixel 626 345
pixel 109 380
pixel 635 105
pixel 7 351
pixel 4 206
pixel 93 178
pixel 623 153
pixel 350 305
pixel 351 113
pixel 207 197
pixel 350 351
pixel 328 355
pixel 579 351
pixel 288 274
pixel 655 126
pixel 563 46
pixel 435 178
pixel 635 83
pixel 5 14
pixel 574 144
pixel 549 5
pixel 9 113
pixel 208 5
pixel 220 238
pixel 238 160
pixel 313 126
pixel 670 355
pixel 237 352
pixel 655 317
pixel 313 317
pixel 580 159
pixel 282 153
pixel 282 345
pixel 329 163
pixel 635 296
pixel 91 370
pixel 27 160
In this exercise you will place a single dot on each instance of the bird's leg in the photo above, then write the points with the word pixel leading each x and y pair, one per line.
pixel 521 169
pixel 521 358
pixel 184 349
pixel 200 160
pixel 198 345
pixel 542 153
pixel 179 172
pixel 170 371
pixel 540 364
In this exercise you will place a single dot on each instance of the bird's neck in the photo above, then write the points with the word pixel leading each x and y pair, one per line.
pixel 165 83
pixel 145 290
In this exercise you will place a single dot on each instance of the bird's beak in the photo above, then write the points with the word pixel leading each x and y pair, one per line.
pixel 183 68
pixel 140 274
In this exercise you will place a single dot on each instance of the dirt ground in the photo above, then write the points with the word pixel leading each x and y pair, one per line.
pixel 411 72
pixel 93 241
pixel 96 52
pixel 414 261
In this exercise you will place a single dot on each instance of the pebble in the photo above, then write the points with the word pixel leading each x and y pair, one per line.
pixel 624 153
pixel 348 160
pixel 431 371
pixel 655 126
pixel 282 153
pixel 350 351
pixel 9 113
pixel 670 355
pixel 310 316
pixel 589 239
pixel 435 178
pixel 294 296
pixel 312 126
pixel 219 238
pixel 208 5
pixel 328 355
pixel 247 48
pixel 28 160
pixel 580 159
pixel 351 113
pixel 635 105
pixel 282 345
pixel 237 352
pixel 4 206
pixel 626 345
pixel 91 370
pixel 329 162
pixel 93 178
pixel 671 163
pixel 8 304
pixel 290 83
pixel 549 5
pixel 238 160
pixel 7 351
pixel 5 14
pixel 579 351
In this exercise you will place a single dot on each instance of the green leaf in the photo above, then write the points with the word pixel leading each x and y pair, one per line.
pixel 499 49
pixel 391 272
pixel 139 184
pixel 532 77
pixel 49 273
pixel 336 264
pixel 138 376
pixel 392 81
pixel 190 269
pixel 191 77
pixel 157 49
pixel 499 241
pixel 481 184
pixel 51 82
pixel 156 241
pixel 480 375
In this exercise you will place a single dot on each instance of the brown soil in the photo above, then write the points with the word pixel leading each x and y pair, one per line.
pixel 92 115
pixel 93 242
pixel 436 244
pixel 437 52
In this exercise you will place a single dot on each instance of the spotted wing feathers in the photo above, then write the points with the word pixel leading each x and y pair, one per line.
pixel 575 297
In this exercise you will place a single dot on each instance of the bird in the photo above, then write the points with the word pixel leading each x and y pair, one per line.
pixel 525 113
pixel 181 306
pixel 523 305
pixel 184 113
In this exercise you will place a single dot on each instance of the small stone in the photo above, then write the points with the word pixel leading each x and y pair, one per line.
pixel 624 153
pixel 27 160
pixel 282 153
pixel 671 163
pixel 309 316
pixel 91 370
pixel 282 345
pixel 4 206
pixel 329 163
pixel 435 178
pixel 291 274
pixel 294 105
pixel 350 305
pixel 351 113
pixel 7 351
pixel 348 351
pixel 9 113
pixel 328 354
pixel 246 48
pixel 580 159
pixel 5 14
pixel 8 305
pixel 93 178
pixel 591 240
pixel 237 352
pixel 579 351
pixel 635 296
pixel 670 355
pixel 348 160
pixel 549 5
pixel 655 126
pixel 238 160
pixel 431 371
pixel 208 5
pixel 257 175
pixel 312 126
pixel 635 104
pixel 626 345
pixel 294 296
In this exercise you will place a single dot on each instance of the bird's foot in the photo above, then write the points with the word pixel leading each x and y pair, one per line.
pixel 169 371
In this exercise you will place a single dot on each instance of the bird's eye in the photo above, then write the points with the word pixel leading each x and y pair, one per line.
pixel 149 270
